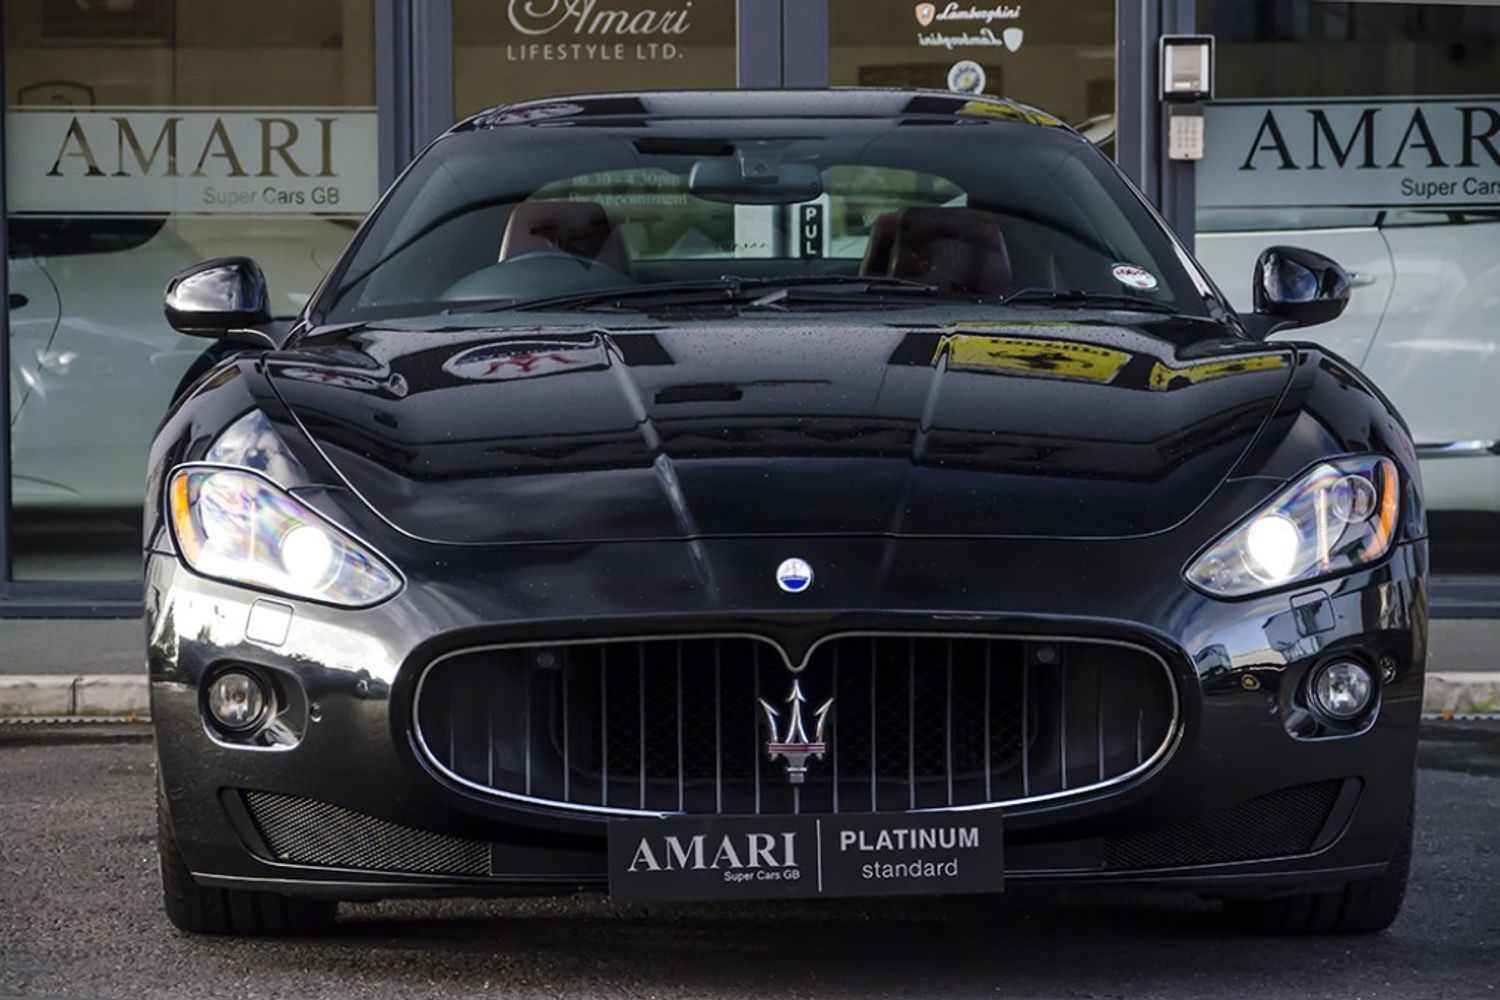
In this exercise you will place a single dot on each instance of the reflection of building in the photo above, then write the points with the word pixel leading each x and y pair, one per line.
pixel 131 152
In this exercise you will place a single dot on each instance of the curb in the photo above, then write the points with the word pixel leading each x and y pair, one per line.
pixel 1452 693
pixel 127 697
pixel 113 695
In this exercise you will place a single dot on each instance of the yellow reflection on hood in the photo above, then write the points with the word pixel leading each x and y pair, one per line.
pixel 1031 356
pixel 1163 377
pixel 994 109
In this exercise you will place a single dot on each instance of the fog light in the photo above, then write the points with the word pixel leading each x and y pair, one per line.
pixel 1343 689
pixel 237 700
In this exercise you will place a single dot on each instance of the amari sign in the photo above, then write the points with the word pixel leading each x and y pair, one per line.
pixel 198 161
pixel 595 31
pixel 1419 153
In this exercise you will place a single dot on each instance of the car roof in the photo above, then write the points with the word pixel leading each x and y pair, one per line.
pixel 834 102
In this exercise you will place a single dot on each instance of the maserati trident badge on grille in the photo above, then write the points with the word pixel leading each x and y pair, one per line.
pixel 794 575
pixel 793 746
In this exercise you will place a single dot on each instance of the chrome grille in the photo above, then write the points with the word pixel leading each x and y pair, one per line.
pixel 675 725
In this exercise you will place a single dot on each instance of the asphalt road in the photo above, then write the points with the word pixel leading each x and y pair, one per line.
pixel 79 917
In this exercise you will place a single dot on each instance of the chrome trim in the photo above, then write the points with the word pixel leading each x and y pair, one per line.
pixel 1158 757
pixel 1458 449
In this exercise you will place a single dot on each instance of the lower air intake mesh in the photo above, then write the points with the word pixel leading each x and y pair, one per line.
pixel 1281 824
pixel 308 832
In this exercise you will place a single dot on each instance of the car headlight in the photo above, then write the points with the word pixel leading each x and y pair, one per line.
pixel 1339 515
pixel 232 525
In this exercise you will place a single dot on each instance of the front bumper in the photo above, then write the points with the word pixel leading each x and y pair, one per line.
pixel 1243 754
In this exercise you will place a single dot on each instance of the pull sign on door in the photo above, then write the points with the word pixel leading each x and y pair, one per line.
pixel 811 220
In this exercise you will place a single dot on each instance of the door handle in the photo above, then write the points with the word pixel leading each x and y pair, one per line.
pixel 17 300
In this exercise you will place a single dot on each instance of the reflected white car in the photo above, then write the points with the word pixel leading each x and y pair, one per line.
pixel 93 362
pixel 1420 323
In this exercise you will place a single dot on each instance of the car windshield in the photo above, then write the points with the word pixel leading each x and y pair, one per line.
pixel 643 213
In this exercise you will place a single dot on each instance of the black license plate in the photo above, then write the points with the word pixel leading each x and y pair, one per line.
pixel 685 858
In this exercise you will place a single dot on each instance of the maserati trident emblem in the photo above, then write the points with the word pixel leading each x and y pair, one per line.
pixel 792 745
pixel 794 575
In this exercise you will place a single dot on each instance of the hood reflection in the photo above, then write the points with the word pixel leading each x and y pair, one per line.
pixel 764 426
pixel 1080 360
pixel 507 360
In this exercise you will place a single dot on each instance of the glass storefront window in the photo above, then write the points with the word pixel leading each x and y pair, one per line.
pixel 511 50
pixel 1059 57
pixel 1371 132
pixel 142 136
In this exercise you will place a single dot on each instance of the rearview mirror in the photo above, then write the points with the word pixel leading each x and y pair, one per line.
pixel 1294 287
pixel 223 297
pixel 754 181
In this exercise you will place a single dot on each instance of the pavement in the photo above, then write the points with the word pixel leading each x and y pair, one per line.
pixel 93 668
pixel 72 646
pixel 80 917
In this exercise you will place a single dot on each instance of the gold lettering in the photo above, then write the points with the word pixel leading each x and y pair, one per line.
pixel 325 137
pixel 125 137
pixel 267 147
pixel 220 137
pixel 75 135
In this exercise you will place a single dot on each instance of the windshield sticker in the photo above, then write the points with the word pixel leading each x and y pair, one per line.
pixel 1134 277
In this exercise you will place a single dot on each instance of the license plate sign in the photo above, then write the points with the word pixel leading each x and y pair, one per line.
pixel 687 858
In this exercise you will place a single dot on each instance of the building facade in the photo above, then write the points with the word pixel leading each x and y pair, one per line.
pixel 140 136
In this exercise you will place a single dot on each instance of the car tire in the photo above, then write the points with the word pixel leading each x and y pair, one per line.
pixel 1368 906
pixel 197 909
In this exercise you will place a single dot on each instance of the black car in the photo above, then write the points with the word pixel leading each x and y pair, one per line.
pixel 761 495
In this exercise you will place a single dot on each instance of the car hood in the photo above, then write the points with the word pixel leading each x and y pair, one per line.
pixel 570 431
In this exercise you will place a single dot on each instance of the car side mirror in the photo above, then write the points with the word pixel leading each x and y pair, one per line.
pixel 224 297
pixel 1294 287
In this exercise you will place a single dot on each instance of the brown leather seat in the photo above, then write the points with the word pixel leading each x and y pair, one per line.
pixel 580 228
pixel 956 249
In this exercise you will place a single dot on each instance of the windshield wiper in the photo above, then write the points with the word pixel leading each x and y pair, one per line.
pixel 729 290
pixel 1086 300
pixel 726 288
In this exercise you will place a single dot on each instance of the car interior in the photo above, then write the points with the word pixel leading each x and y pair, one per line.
pixel 557 247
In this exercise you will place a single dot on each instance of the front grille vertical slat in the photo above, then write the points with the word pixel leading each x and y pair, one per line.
pixel 677 725
pixel 1099 717
pixel 911 723
pixel 1062 724
pixel 948 719
pixel 755 709
pixel 833 749
pixel 526 716
pixel 874 729
pixel 681 768
pixel 640 661
pixel 1025 726
pixel 567 754
pixel 718 726
pixel 604 733
pixel 452 735
pixel 489 728
pixel 989 757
